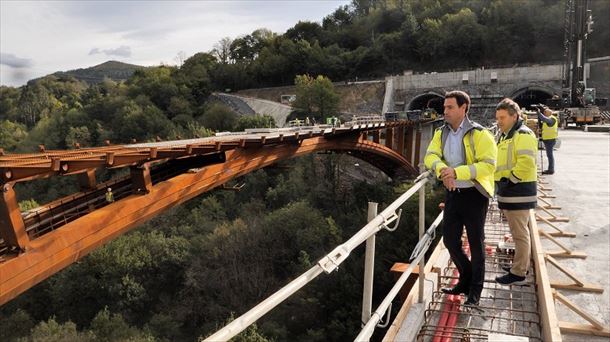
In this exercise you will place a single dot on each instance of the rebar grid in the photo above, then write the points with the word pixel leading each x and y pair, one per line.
pixel 509 310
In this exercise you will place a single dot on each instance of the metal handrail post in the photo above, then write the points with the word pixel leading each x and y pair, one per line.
pixel 369 267
pixel 422 223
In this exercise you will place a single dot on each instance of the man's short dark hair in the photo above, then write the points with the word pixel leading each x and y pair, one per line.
pixel 510 106
pixel 460 97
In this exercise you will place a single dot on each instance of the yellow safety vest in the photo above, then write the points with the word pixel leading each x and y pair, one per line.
pixel 516 168
pixel 550 132
pixel 480 155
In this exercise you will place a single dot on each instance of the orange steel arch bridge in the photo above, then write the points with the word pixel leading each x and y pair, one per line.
pixel 38 243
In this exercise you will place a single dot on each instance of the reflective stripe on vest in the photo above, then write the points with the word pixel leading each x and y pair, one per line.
pixel 517 199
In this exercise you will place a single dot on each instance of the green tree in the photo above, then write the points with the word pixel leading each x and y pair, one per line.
pixel 52 331
pixel 316 96
pixel 78 135
pixel 106 327
pixel 219 118
pixel 9 96
pixel 11 135
pixel 254 121
pixel 16 325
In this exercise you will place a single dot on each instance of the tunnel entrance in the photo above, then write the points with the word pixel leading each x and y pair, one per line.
pixel 428 100
pixel 526 97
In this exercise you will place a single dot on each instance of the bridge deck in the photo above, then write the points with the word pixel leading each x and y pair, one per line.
pixel 505 310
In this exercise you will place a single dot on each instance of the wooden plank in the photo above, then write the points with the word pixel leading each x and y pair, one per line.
pixel 564 270
pixel 563 254
pixel 546 305
pixel 584 329
pixel 412 296
pixel 554 226
pixel 548 205
pixel 551 207
pixel 556 219
pixel 563 234
pixel 555 241
pixel 551 214
pixel 544 194
pixel 577 309
pixel 575 287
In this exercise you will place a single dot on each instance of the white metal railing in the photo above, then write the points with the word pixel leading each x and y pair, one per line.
pixel 332 260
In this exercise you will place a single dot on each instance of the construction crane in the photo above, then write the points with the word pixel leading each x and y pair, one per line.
pixel 578 103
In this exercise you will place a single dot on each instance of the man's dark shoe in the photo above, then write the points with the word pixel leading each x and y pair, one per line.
pixel 471 302
pixel 508 268
pixel 456 290
pixel 510 279
pixel 472 305
pixel 547 172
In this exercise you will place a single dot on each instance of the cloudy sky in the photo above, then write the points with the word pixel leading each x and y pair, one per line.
pixel 40 37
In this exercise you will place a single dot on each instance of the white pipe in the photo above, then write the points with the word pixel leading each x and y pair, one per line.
pixel 369 268
pixel 369 328
pixel 422 223
pixel 245 320
pixel 327 264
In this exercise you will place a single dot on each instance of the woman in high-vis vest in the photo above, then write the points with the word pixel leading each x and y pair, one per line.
pixel 550 132
pixel 515 178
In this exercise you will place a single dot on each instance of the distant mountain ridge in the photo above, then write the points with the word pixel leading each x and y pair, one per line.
pixel 114 70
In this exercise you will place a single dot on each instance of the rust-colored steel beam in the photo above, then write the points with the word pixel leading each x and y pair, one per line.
pixel 56 250
pixel 23 173
pixel 86 180
pixel 417 146
pixel 141 181
pixel 409 138
pixel 12 228
pixel 376 136
pixel 400 137
pixel 389 138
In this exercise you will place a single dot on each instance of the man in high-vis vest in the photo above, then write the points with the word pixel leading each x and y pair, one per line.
pixel 516 185
pixel 109 195
pixel 463 155
pixel 550 132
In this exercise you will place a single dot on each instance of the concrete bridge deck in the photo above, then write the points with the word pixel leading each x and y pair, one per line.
pixel 580 188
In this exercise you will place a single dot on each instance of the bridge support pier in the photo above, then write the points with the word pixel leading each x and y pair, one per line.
pixel 376 136
pixel 400 146
pixel 12 227
pixel 86 180
pixel 140 179
pixel 389 138
pixel 416 160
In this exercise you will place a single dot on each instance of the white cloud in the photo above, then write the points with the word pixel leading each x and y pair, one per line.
pixel 13 61
pixel 121 51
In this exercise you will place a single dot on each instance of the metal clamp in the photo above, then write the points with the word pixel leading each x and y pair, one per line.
pixel 422 246
pixel 393 217
pixel 333 259
pixel 387 318
pixel 422 176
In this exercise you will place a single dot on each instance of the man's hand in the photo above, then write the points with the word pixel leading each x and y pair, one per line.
pixel 448 178
pixel 448 172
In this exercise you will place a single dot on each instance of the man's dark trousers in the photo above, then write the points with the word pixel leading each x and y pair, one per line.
pixel 548 147
pixel 466 208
